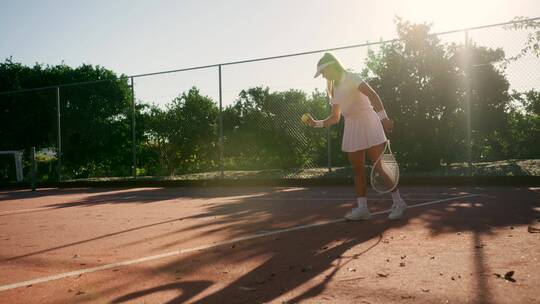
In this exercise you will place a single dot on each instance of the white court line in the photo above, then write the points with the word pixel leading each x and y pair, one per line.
pixel 351 198
pixel 203 247
pixel 26 210
pixel 252 199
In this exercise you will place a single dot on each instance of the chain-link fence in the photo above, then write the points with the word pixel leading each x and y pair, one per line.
pixel 464 102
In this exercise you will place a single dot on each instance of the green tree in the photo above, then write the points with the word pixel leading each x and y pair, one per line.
pixel 422 84
pixel 524 122
pixel 96 127
pixel 184 136
pixel 263 130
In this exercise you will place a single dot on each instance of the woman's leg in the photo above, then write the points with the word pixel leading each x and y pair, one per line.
pixel 357 160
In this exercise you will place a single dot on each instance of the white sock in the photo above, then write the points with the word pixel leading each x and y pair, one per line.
pixel 362 202
pixel 395 196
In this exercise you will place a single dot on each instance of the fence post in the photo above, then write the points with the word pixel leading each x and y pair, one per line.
pixel 220 126
pixel 59 135
pixel 329 146
pixel 328 135
pixel 468 101
pixel 133 139
pixel 33 174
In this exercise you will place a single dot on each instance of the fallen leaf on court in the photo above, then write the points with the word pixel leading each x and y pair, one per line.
pixel 425 290
pixel 479 246
pixel 403 257
pixel 453 279
pixel 432 258
pixel 388 260
pixel 401 264
pixel 351 269
pixel 79 293
pixel 407 297
pixel 244 288
pixel 507 276
pixel 383 275
pixel 532 229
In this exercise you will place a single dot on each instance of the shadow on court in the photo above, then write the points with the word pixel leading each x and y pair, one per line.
pixel 307 264
pixel 295 259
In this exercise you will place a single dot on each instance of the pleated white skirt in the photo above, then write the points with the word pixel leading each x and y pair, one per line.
pixel 362 131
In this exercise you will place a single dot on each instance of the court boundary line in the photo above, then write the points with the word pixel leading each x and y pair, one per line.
pixel 199 248
pixel 47 208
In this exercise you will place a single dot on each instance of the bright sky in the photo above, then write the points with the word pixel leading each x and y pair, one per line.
pixel 135 36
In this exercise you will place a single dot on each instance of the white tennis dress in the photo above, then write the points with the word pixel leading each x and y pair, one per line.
pixel 363 128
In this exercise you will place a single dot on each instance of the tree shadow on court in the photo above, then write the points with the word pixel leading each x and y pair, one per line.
pixel 150 195
pixel 89 197
pixel 495 212
pixel 145 196
pixel 188 289
pixel 295 259
pixel 288 261
pixel 312 259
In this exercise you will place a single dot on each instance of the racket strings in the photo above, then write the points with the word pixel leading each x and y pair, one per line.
pixel 386 175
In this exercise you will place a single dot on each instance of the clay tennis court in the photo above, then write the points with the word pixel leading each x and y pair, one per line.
pixel 268 245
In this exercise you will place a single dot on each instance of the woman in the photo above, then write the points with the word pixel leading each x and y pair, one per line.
pixel 365 124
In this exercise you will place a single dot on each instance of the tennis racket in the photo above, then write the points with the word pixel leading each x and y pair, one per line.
pixel 385 171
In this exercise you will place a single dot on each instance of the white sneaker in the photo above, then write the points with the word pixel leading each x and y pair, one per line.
pixel 358 214
pixel 397 210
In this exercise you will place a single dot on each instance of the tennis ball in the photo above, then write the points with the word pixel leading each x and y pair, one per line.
pixel 305 118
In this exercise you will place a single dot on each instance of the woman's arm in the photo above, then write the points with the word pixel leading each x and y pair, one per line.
pixel 374 98
pixel 335 115
pixel 376 102
pixel 333 119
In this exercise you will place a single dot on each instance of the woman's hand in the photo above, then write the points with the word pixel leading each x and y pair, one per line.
pixel 388 125
pixel 308 120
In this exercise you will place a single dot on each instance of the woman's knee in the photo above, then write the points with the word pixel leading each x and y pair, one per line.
pixel 358 171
